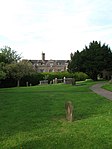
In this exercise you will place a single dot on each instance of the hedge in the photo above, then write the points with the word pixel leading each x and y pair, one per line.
pixel 79 76
pixel 35 78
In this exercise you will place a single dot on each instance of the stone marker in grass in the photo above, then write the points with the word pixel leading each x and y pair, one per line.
pixel 69 111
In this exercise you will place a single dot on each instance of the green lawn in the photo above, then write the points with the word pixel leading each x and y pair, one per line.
pixel 34 118
pixel 108 86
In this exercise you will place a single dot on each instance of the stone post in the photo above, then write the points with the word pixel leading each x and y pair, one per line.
pixel 53 81
pixel 27 84
pixel 50 82
pixel 69 111
pixel 64 80
pixel 56 81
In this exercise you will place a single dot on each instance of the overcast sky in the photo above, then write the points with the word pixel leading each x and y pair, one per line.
pixel 56 27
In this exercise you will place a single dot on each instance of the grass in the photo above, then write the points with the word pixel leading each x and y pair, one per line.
pixel 108 86
pixel 34 118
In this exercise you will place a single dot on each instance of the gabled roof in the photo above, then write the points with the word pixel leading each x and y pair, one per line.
pixel 48 61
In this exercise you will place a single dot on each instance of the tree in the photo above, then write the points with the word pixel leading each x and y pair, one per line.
pixel 2 73
pixel 18 70
pixel 75 63
pixel 7 55
pixel 92 60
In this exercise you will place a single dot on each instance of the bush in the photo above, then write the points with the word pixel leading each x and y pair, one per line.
pixel 79 76
pixel 8 82
pixel 59 75
pixel 35 78
pixel 32 79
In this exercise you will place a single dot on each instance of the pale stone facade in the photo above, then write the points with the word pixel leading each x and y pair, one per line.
pixel 50 65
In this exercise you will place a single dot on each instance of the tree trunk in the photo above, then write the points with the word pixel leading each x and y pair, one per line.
pixel 95 77
pixel 18 83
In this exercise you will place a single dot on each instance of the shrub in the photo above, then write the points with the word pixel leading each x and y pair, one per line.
pixel 79 76
pixel 8 82
pixel 32 79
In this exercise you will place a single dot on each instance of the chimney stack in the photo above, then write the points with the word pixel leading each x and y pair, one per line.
pixel 43 56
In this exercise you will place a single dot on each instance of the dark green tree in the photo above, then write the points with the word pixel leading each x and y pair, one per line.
pixel 75 63
pixel 92 59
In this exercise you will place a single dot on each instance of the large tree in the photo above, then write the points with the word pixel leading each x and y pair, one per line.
pixel 19 70
pixel 92 59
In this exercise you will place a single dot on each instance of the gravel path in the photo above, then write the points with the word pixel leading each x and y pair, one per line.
pixel 97 89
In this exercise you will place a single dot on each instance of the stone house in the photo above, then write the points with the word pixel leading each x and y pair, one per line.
pixel 44 65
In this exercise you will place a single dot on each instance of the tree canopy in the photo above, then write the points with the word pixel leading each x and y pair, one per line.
pixel 92 59
pixel 19 70
pixel 7 55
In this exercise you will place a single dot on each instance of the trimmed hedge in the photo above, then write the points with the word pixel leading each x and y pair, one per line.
pixel 79 76
pixel 35 78
pixel 31 79
pixel 8 82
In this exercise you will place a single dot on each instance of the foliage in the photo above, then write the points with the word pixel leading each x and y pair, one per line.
pixel 19 70
pixel 59 75
pixel 8 82
pixel 2 73
pixel 92 60
pixel 79 76
pixel 34 117
pixel 7 55
pixel 32 79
